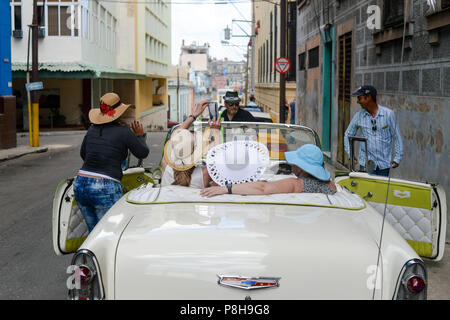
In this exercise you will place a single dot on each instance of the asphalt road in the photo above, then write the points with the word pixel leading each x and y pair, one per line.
pixel 29 267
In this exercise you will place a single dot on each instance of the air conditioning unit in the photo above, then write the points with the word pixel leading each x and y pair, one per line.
pixel 41 32
pixel 17 34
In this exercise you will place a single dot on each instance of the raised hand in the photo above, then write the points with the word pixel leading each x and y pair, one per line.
pixel 137 128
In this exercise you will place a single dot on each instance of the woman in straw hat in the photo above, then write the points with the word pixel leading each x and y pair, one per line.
pixel 307 164
pixel 105 146
pixel 183 152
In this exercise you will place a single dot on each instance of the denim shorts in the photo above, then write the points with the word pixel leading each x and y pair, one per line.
pixel 95 196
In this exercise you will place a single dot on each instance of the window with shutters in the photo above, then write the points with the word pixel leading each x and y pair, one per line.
pixel 271 48
pixel 16 15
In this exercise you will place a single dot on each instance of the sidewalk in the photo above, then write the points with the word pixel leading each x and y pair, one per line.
pixel 47 141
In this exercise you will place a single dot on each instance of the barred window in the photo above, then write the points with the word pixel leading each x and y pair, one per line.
pixel 313 58
pixel 302 61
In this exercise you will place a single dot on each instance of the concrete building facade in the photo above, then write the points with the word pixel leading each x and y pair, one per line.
pixel 227 74
pixel 88 48
pixel 344 44
pixel 181 94
pixel 196 58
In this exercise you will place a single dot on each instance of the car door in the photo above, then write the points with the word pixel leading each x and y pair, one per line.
pixel 68 226
pixel 418 211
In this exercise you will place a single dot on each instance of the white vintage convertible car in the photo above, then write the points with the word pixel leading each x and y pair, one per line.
pixel 168 242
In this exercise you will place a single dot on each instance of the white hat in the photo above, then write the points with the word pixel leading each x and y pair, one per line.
pixel 237 161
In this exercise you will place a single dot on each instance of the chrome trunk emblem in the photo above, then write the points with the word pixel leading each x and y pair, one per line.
pixel 248 283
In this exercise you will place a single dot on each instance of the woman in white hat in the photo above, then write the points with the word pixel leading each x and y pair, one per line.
pixel 105 146
pixel 183 152
pixel 307 164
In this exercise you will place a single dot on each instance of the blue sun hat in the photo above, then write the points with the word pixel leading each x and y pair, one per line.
pixel 309 158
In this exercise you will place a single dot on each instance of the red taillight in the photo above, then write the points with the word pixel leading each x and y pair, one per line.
pixel 85 274
pixel 416 285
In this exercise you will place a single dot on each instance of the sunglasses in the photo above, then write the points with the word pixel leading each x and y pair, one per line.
pixel 233 104
pixel 361 97
pixel 374 124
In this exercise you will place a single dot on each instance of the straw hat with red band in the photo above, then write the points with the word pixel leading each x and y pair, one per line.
pixel 111 108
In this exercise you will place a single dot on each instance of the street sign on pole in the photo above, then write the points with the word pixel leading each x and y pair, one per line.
pixel 34 86
pixel 282 65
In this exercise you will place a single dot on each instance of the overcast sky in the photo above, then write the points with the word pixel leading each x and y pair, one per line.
pixel 203 21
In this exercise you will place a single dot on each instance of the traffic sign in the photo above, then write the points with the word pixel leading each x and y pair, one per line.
pixel 34 86
pixel 282 65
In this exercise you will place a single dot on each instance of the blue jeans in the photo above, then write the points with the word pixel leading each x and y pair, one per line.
pixel 377 171
pixel 95 197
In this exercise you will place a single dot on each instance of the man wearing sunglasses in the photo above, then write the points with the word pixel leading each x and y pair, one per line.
pixel 379 125
pixel 232 111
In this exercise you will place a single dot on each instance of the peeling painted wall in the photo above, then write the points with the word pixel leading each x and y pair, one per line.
pixel 418 90
pixel 424 125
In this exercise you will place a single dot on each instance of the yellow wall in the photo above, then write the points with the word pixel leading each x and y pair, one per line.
pixel 267 94
pixel 71 95
pixel 153 21
pixel 147 96
pixel 268 97
pixel 144 96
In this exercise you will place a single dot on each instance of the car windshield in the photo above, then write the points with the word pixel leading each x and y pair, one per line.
pixel 277 137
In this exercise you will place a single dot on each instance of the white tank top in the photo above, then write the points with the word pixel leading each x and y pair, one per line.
pixel 196 178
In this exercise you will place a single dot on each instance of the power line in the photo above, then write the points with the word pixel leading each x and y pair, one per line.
pixel 243 17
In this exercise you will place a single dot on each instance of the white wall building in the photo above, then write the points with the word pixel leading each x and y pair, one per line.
pixel 90 47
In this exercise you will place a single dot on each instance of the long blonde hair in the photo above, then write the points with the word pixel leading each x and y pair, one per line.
pixel 183 178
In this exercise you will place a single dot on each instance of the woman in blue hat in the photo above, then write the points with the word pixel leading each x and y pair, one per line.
pixel 307 164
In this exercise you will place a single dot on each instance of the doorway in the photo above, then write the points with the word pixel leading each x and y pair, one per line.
pixel 327 87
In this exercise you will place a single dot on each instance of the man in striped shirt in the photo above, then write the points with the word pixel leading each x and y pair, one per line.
pixel 379 125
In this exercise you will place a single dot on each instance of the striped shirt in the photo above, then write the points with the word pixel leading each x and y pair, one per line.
pixel 379 141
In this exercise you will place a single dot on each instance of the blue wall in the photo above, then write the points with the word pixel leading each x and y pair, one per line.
pixel 5 49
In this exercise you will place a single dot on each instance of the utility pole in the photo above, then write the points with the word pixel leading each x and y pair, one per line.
pixel 252 79
pixel 35 75
pixel 246 77
pixel 283 17
pixel 178 94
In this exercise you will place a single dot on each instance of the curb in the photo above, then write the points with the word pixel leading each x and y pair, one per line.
pixel 53 133
pixel 6 154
